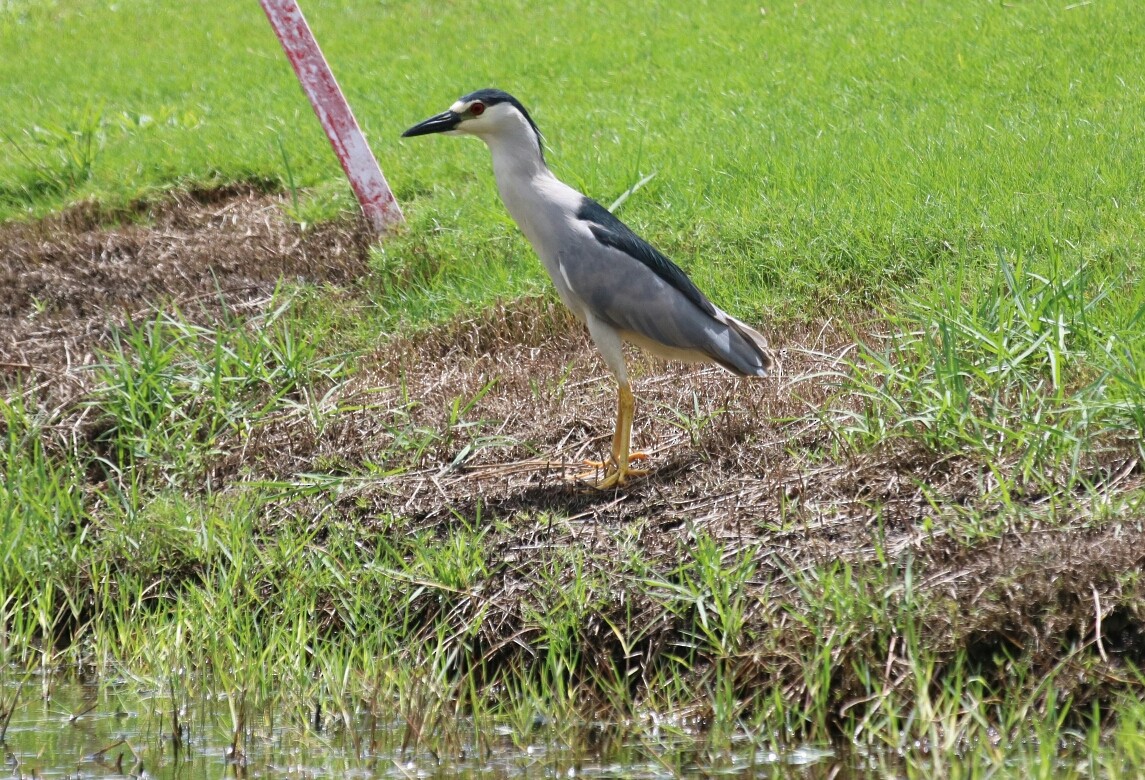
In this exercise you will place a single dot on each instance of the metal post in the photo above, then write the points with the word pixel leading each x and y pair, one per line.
pixel 378 203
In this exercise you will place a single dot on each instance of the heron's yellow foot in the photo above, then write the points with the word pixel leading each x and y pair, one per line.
pixel 614 476
pixel 610 464
pixel 620 478
pixel 612 472
pixel 613 479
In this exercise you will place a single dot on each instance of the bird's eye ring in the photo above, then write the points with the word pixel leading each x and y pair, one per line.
pixel 477 109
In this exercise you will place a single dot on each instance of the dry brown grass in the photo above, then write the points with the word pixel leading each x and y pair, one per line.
pixel 762 476
pixel 68 280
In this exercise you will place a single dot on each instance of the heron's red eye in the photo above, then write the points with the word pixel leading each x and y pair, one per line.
pixel 477 109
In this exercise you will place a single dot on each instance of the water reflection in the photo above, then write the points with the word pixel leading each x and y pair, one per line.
pixel 66 727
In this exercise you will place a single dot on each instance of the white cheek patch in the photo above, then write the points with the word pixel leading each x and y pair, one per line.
pixel 459 107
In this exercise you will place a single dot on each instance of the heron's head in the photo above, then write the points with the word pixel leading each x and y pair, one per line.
pixel 489 114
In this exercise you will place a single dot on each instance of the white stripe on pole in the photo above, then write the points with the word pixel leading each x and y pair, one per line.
pixel 378 203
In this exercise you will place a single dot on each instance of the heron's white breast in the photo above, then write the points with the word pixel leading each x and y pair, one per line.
pixel 545 209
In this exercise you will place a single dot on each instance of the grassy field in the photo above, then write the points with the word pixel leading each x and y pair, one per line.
pixel 248 451
pixel 804 153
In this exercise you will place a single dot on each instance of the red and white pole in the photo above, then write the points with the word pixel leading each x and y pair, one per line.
pixel 378 203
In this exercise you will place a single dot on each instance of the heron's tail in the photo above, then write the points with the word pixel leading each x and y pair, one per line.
pixel 748 353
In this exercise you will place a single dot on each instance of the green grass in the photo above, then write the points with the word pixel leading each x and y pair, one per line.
pixel 971 172
pixel 805 153
pixel 327 628
pixel 1042 369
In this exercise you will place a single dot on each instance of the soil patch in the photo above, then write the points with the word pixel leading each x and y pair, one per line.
pixel 67 281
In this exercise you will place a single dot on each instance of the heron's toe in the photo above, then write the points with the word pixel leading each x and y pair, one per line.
pixel 613 477
pixel 610 464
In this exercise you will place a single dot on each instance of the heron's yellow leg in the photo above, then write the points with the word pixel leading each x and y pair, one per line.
pixel 621 435
pixel 618 471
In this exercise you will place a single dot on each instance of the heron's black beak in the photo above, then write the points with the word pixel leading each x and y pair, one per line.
pixel 446 120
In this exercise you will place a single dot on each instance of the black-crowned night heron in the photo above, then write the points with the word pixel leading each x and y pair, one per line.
pixel 621 287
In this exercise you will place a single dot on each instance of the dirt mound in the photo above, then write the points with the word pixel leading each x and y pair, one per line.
pixel 66 281
pixel 509 404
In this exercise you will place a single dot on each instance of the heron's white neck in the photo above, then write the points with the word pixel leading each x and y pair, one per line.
pixel 526 184
pixel 516 155
pixel 543 206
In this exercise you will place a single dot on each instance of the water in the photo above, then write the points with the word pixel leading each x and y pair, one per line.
pixel 66 727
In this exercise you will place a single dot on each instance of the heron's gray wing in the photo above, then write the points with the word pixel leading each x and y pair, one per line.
pixel 628 284
pixel 610 231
